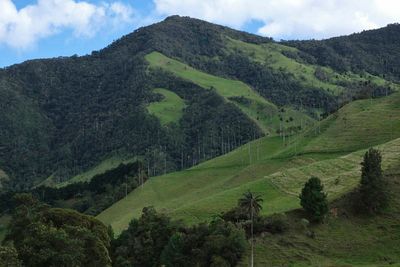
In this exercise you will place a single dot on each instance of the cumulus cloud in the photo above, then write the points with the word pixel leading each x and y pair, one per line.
pixel 288 19
pixel 22 28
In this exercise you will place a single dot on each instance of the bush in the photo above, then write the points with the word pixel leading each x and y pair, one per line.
pixel 277 224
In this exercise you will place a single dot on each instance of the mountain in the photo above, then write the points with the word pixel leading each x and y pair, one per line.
pixel 64 116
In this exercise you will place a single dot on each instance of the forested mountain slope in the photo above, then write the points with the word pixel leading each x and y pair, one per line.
pixel 373 51
pixel 64 116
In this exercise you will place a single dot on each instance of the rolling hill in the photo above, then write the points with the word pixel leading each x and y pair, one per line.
pixel 275 169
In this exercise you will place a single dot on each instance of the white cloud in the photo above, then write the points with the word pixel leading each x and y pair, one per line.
pixel 290 18
pixel 22 28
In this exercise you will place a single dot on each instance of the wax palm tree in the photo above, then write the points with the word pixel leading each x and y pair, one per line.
pixel 251 204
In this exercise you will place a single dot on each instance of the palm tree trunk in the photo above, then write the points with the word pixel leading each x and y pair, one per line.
pixel 252 242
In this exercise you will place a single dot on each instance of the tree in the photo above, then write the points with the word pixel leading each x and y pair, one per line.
pixel 251 204
pixel 313 199
pixel 218 243
pixel 372 186
pixel 45 236
pixel 144 240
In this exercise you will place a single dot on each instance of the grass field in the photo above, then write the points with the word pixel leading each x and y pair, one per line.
pixel 267 166
pixel 169 109
pixel 261 111
pixel 271 54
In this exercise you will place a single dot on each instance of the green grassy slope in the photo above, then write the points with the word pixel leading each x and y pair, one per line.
pixel 272 55
pixel 346 240
pixel 177 193
pixel 197 194
pixel 261 111
pixel 266 166
pixel 168 109
pixel 361 124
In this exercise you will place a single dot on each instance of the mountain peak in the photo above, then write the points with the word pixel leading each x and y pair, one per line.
pixel 180 33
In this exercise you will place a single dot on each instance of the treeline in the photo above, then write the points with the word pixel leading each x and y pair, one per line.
pixel 89 197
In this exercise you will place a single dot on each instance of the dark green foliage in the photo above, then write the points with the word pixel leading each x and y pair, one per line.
pixel 374 51
pixel 45 236
pixel 90 197
pixel 218 244
pixel 9 257
pixel 313 199
pixel 373 196
pixel 274 224
pixel 235 215
pixel 153 240
pixel 250 203
pixel 99 193
pixel 142 243
pixel 77 111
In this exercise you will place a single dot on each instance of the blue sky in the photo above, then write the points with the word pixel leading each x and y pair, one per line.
pixel 48 28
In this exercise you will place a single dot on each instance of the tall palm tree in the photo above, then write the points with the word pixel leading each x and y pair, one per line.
pixel 251 204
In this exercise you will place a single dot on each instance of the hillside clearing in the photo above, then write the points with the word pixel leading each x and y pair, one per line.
pixel 169 109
